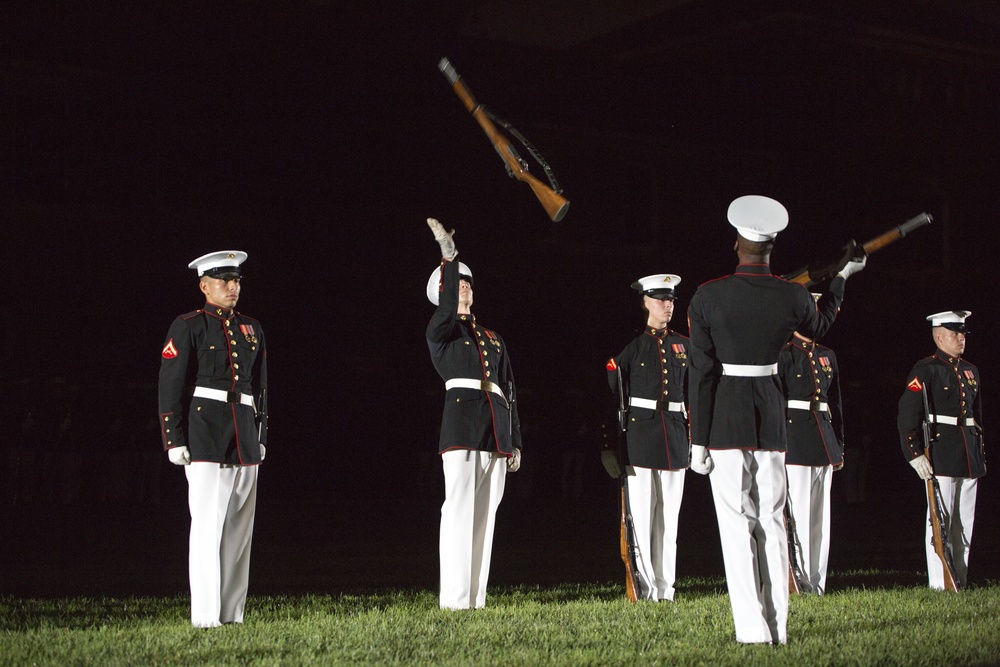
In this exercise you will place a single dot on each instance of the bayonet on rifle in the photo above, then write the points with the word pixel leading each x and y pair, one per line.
pixel 622 412
pixel 262 416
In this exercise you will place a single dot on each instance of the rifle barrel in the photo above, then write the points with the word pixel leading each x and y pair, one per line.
pixel 897 233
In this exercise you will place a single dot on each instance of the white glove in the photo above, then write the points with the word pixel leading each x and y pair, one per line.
pixel 179 456
pixel 923 467
pixel 852 267
pixel 263 451
pixel 443 238
pixel 514 462
pixel 609 459
pixel 701 462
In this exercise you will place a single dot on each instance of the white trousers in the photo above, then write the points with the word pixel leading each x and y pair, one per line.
pixel 222 500
pixel 809 499
pixel 748 488
pixel 654 498
pixel 473 488
pixel 959 497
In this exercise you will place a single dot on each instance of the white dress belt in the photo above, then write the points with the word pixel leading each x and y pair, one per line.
pixel 220 395
pixel 745 370
pixel 953 421
pixel 469 383
pixel 807 405
pixel 672 406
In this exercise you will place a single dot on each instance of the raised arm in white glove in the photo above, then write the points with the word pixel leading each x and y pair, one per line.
pixel 179 456
pixel 443 238
pixel 852 267
pixel 701 462
pixel 923 467
pixel 514 462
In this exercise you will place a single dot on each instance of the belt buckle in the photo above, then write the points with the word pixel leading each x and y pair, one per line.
pixel 234 397
pixel 814 405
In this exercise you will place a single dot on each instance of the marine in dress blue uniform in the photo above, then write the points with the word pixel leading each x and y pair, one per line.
pixel 653 369
pixel 480 431
pixel 738 326
pixel 815 428
pixel 213 379
pixel 957 451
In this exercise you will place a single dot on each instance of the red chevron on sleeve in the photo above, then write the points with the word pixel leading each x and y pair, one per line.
pixel 914 384
pixel 169 351
pixel 611 365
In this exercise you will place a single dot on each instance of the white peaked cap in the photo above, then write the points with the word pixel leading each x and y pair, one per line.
pixel 951 319
pixel 660 285
pixel 214 261
pixel 757 218
pixel 434 281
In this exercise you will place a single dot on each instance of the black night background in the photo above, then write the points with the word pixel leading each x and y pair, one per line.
pixel 318 135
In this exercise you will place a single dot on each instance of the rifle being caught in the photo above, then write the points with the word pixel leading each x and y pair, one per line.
pixel 550 197
pixel 935 507
pixel 634 584
pixel 818 271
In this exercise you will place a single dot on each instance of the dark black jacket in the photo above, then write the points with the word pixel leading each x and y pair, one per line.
pixel 462 348
pixel 747 318
pixel 218 349
pixel 952 391
pixel 808 373
pixel 654 367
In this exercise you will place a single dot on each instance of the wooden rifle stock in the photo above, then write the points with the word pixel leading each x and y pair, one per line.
pixel 797 582
pixel 554 203
pixel 942 547
pixel 626 539
pixel 819 271
pixel 629 550
pixel 793 583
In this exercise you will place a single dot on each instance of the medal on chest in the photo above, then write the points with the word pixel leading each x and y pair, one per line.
pixel 824 364
pixel 492 338
pixel 249 333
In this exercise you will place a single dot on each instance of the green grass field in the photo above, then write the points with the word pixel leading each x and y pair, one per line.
pixel 340 580
pixel 589 624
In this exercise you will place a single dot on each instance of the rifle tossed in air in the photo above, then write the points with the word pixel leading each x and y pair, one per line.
pixel 935 506
pixel 820 270
pixel 634 581
pixel 550 197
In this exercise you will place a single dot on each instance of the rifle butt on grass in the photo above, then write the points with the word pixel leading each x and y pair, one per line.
pixel 935 507
pixel 797 582
pixel 627 543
